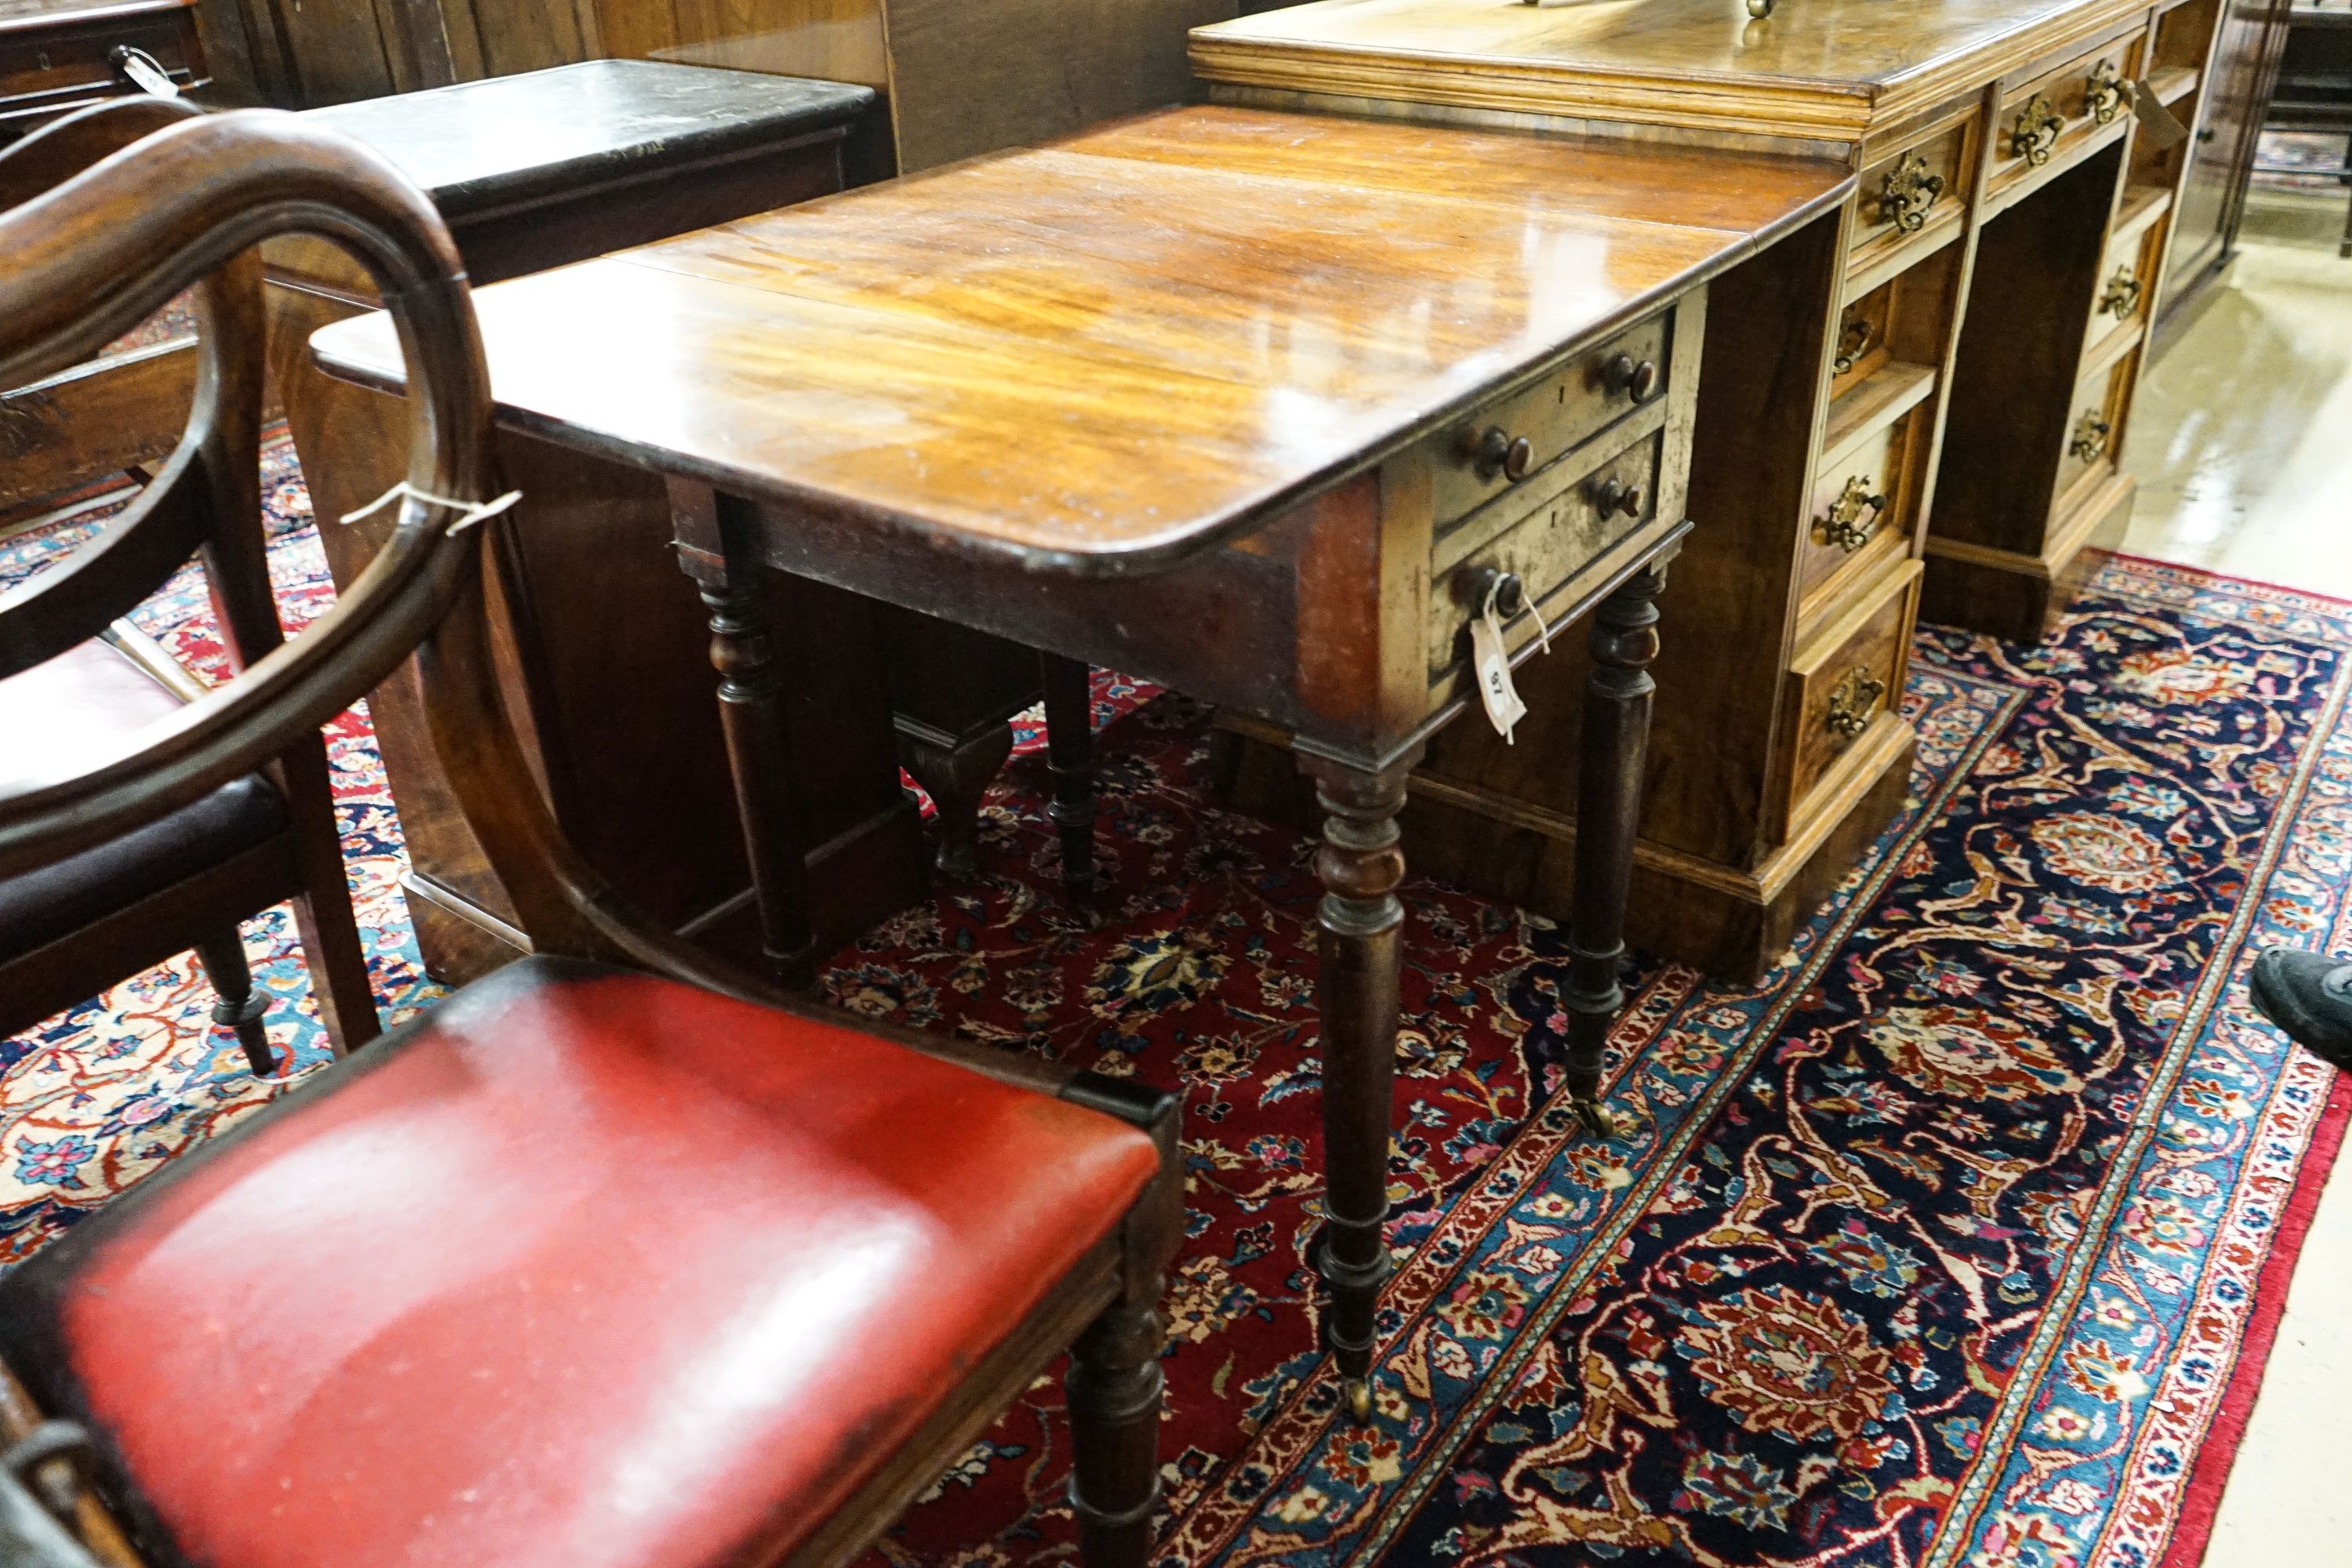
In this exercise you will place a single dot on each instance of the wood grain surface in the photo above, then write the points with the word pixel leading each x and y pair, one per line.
pixel 1102 354
pixel 1825 68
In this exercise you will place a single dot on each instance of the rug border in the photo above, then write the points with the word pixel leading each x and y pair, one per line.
pixel 2264 583
pixel 2217 1455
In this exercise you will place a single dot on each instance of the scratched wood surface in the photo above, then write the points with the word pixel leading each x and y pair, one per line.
pixel 1106 352
pixel 1817 69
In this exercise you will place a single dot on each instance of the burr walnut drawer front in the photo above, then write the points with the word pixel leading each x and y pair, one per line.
pixel 2094 430
pixel 1504 444
pixel 2042 119
pixel 1909 194
pixel 1565 529
pixel 2126 274
pixel 1859 516
pixel 1847 678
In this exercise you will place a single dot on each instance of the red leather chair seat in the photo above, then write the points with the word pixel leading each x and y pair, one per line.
pixel 583 1268
pixel 77 709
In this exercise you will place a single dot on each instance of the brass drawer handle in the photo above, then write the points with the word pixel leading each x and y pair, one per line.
pixel 2121 296
pixel 1853 516
pixel 1854 702
pixel 2035 131
pixel 2089 441
pixel 1907 193
pixel 1854 341
pixel 1623 373
pixel 2103 94
pixel 1496 450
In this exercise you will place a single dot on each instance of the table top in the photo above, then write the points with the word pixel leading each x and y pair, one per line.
pixel 508 138
pixel 1105 353
pixel 1820 68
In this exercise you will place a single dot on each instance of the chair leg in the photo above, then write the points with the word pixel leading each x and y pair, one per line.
pixel 1070 758
pixel 1114 1392
pixel 322 911
pixel 1114 1382
pixel 235 1003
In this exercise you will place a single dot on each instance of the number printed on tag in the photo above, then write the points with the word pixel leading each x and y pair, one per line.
pixel 1492 664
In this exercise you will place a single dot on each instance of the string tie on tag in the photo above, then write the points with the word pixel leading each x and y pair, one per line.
pixel 468 512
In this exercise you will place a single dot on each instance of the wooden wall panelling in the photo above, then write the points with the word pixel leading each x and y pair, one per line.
pixel 1038 69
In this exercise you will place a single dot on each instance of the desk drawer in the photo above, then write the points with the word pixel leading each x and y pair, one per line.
pixel 2094 430
pixel 1861 516
pixel 1907 193
pixel 1562 411
pixel 2127 272
pixel 2039 122
pixel 1849 678
pixel 53 70
pixel 1546 549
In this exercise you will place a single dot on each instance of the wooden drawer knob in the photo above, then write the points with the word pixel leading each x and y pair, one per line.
pixel 1615 495
pixel 1496 450
pixel 1624 374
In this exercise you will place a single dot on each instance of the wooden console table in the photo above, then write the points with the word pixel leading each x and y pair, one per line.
pixel 1915 407
pixel 1218 397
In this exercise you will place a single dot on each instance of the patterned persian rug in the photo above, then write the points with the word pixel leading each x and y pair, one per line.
pixel 1957 1243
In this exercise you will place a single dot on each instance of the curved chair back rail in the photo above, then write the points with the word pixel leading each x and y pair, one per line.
pixel 96 255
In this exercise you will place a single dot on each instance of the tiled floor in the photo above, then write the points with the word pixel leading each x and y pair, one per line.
pixel 2243 445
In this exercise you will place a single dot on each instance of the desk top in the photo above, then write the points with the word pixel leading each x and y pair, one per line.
pixel 510 138
pixel 1827 70
pixel 1104 353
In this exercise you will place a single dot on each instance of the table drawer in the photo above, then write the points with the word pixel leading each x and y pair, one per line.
pixel 1472 462
pixel 1907 193
pixel 1852 674
pixel 48 71
pixel 2041 119
pixel 1546 549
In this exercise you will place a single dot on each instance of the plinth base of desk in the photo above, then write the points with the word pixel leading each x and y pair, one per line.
pixel 1731 923
pixel 857 879
pixel 2011 595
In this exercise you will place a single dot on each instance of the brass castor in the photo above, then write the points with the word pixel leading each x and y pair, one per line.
pixel 1595 1116
pixel 1759 9
pixel 1357 1393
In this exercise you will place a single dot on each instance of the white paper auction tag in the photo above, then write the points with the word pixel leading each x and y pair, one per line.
pixel 1492 662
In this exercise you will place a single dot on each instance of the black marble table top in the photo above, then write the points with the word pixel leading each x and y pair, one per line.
pixel 510 137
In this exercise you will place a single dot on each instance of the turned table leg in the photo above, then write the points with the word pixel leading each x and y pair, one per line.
pixel 1360 960
pixel 1070 757
pixel 1608 813
pixel 751 714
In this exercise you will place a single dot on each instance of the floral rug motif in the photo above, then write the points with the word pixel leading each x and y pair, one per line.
pixel 1948 1245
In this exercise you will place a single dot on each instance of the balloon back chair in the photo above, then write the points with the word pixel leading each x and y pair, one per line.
pixel 77 680
pixel 613 1259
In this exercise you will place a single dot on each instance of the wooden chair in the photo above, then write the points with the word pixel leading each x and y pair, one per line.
pixel 615 1257
pixel 78 924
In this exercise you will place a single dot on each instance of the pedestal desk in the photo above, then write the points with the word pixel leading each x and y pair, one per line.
pixel 1915 407
pixel 1217 398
